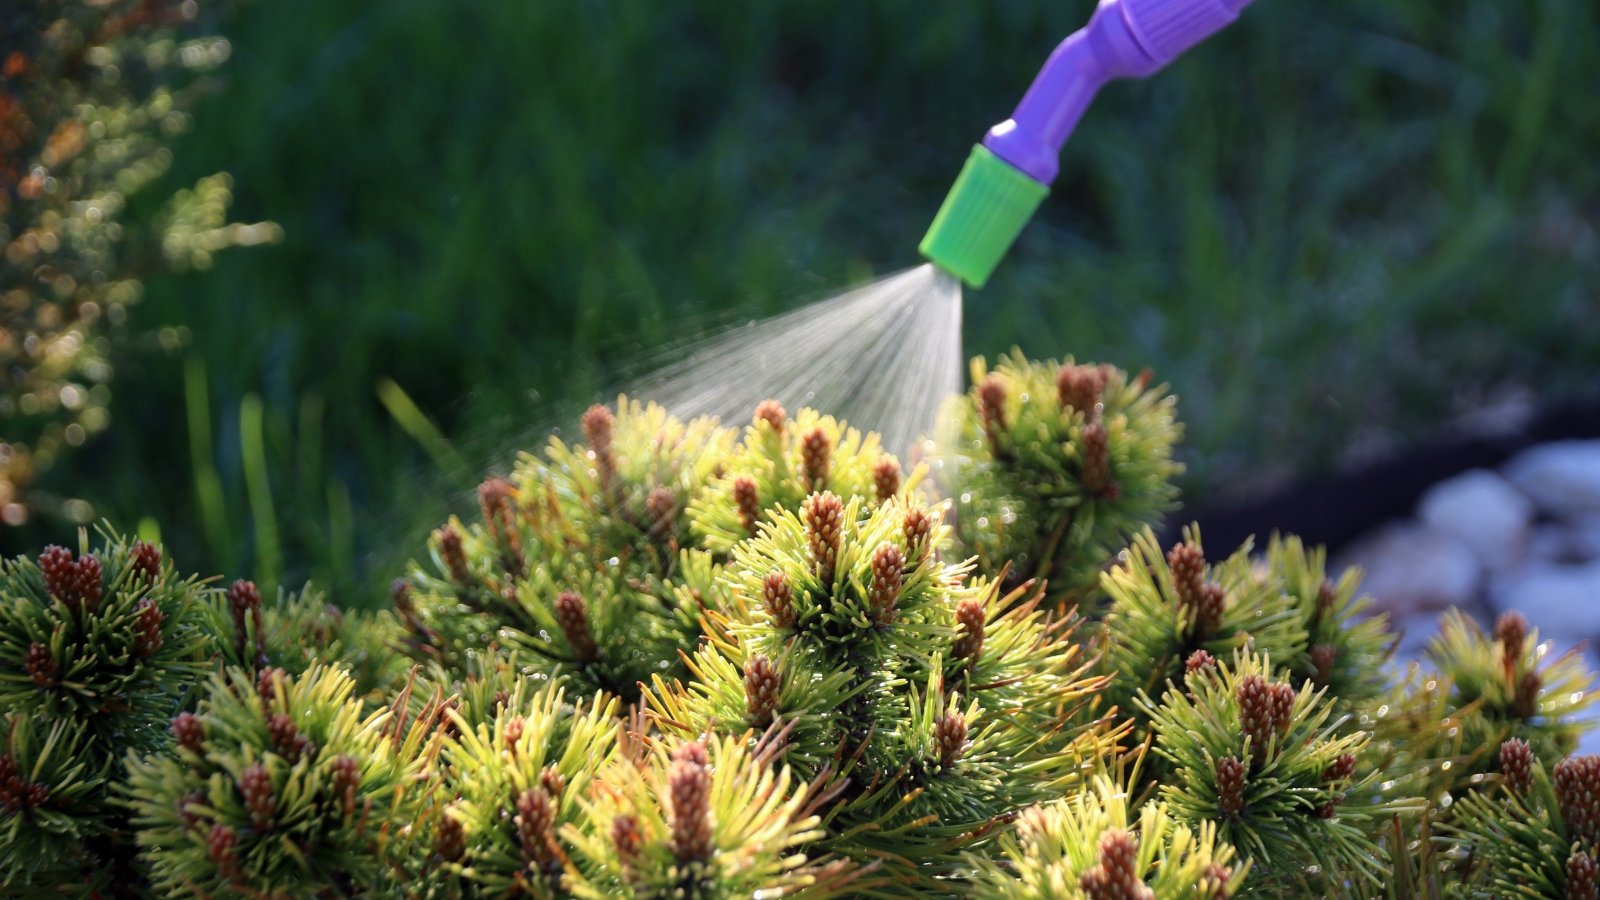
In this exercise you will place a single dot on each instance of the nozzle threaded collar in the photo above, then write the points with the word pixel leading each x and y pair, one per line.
pixel 981 217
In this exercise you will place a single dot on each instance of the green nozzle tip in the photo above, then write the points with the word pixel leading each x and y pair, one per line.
pixel 981 217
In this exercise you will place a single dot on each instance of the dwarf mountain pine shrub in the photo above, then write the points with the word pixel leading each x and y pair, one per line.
pixel 1263 759
pixel 516 780
pixel 1537 832
pixel 600 558
pixel 682 660
pixel 583 560
pixel 97 648
pixel 718 817
pixel 1054 466
pixel 780 462
pixel 283 786
pixel 1095 845
pixel 940 707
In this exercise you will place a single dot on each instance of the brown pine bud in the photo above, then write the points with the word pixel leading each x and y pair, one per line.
pixel 888 567
pixel 90 582
pixel 949 738
pixel 255 787
pixel 886 477
pixel 17 793
pixel 779 599
pixel 1188 565
pixel 1079 388
pixel 1116 875
pixel 189 816
pixel 286 738
pixel 498 499
pixel 453 554
pixel 147 628
pixel 573 617
pixel 1511 630
pixel 1577 781
pixel 1097 478
pixel 748 502
pixel 511 733
pixel 772 413
pixel 1336 777
pixel 534 818
pixel 971 618
pixel 267 681
pixel 12 784
pixel 553 782
pixel 244 598
pixel 1327 598
pixel 400 597
pixel 189 731
pixel 1199 663
pixel 689 799
pixel 343 781
pixel 1119 854
pixel 1583 877
pixel 450 841
pixel 40 665
pixel 816 452
pixel 1264 711
pixel 77 584
pixel 918 529
pixel 1208 612
pixel 762 684
pixel 1525 704
pixel 1323 656
pixel 406 608
pixel 1283 696
pixel 1231 774
pixel 1214 884
pixel 60 574
pixel 145 561
pixel 1516 765
pixel 992 410
pixel 598 426
pixel 661 511
pixel 626 836
pixel 824 518
pixel 222 845
pixel 694 751
pixel 244 604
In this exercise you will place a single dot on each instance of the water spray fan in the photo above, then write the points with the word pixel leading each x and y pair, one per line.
pixel 1009 173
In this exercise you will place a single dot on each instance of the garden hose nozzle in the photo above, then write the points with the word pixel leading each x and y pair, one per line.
pixel 1008 175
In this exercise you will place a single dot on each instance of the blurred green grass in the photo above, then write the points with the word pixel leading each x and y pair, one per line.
pixel 1331 227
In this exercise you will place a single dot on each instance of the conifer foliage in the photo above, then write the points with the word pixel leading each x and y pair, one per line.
pixel 680 659
pixel 96 650
pixel 1054 466
pixel 280 786
pixel 944 707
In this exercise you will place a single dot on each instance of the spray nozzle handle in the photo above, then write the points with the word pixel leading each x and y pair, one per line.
pixel 1124 39
pixel 1007 177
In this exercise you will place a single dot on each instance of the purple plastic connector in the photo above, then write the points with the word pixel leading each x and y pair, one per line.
pixel 1124 39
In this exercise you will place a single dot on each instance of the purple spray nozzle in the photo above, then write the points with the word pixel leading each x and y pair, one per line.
pixel 1006 178
pixel 1124 39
